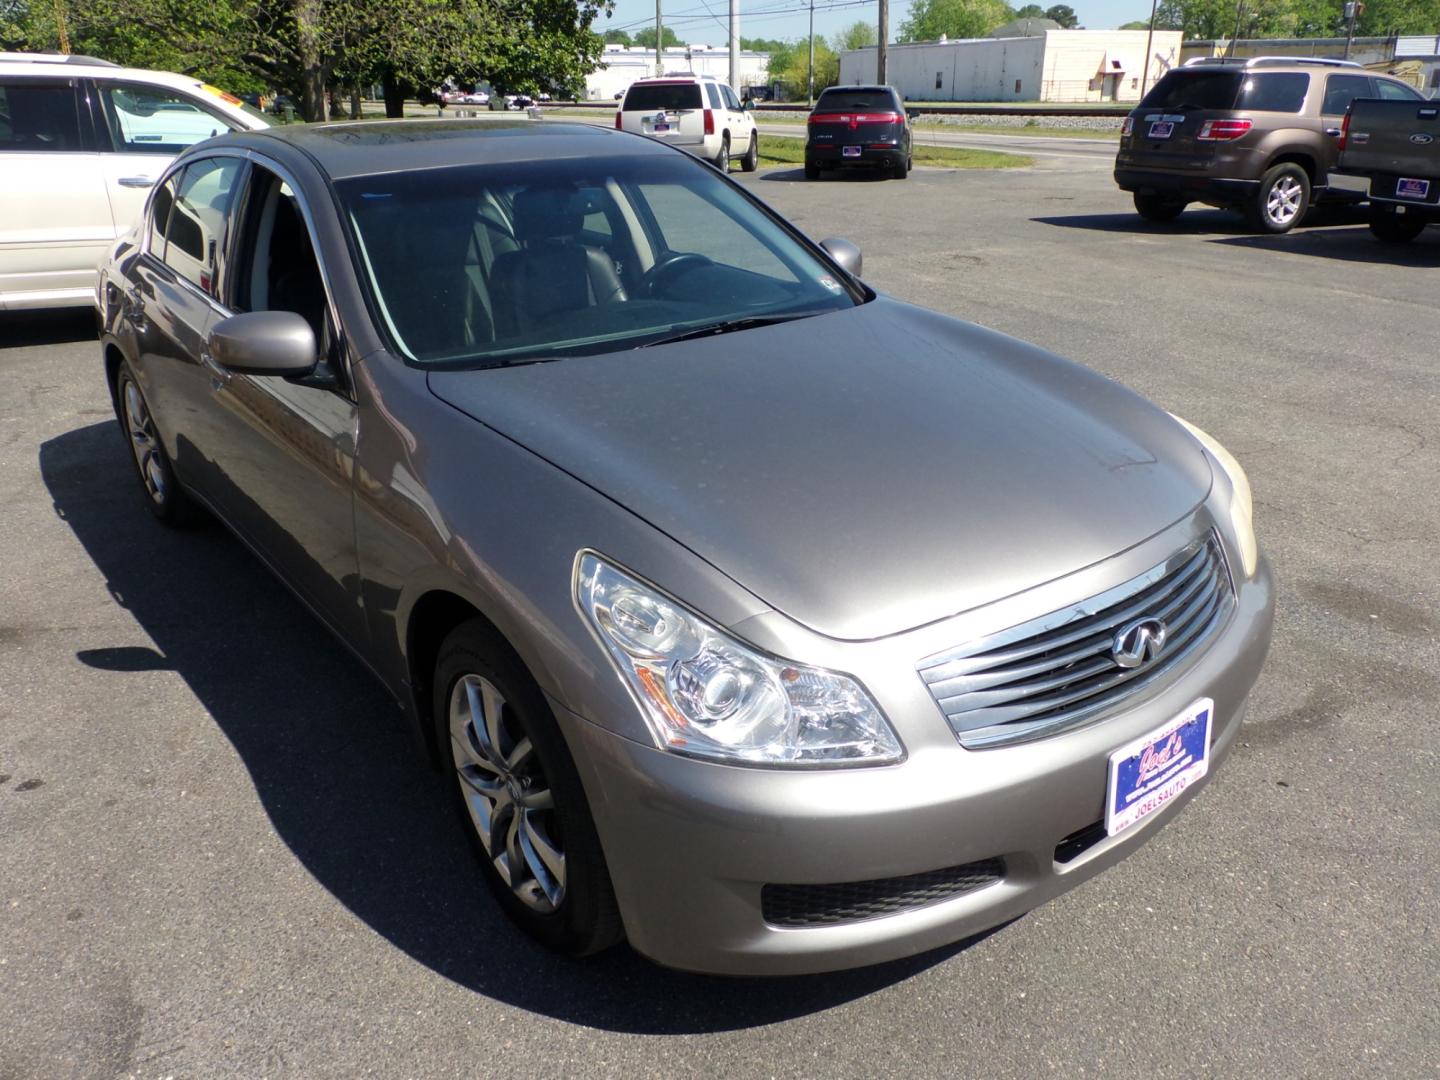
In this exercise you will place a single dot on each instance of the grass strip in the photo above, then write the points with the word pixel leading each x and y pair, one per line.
pixel 778 150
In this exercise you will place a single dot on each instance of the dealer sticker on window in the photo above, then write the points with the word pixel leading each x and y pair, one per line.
pixel 1149 772
pixel 1411 189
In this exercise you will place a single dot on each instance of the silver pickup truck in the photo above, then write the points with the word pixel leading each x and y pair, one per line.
pixel 1396 145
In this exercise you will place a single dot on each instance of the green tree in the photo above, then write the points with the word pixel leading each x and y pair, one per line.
pixel 791 65
pixel 616 37
pixel 954 18
pixel 1030 11
pixel 858 35
pixel 1063 14
pixel 765 45
pixel 646 38
pixel 1139 24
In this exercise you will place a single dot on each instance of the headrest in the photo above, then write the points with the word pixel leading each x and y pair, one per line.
pixel 546 213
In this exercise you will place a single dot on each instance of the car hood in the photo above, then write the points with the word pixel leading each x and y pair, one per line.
pixel 865 471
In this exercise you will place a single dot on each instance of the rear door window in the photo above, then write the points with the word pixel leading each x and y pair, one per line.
pixel 1343 89
pixel 1197 89
pixel 668 96
pixel 197 222
pixel 1282 92
pixel 39 117
pixel 729 95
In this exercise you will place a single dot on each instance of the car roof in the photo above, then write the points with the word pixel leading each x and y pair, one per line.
pixel 346 150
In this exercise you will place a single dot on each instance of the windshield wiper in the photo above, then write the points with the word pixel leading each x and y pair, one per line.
pixel 729 326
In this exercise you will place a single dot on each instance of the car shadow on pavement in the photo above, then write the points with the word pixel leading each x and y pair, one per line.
pixel 1202 220
pixel 844 176
pixel 1349 245
pixel 345 785
pixel 22 329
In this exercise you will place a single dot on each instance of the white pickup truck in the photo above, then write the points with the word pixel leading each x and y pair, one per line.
pixel 1396 146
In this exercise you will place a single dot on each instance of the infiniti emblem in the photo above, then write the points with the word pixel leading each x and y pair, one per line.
pixel 1138 642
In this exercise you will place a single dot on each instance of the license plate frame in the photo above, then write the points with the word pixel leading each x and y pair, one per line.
pixel 850 151
pixel 1162 129
pixel 1409 187
pixel 1147 773
pixel 661 127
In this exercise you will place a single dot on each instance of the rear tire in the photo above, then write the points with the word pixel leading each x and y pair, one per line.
pixel 164 496
pixel 1282 200
pixel 1391 228
pixel 812 172
pixel 1158 207
pixel 722 159
pixel 486 710
pixel 900 171
pixel 751 161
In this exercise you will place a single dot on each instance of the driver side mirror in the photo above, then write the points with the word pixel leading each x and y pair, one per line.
pixel 845 253
pixel 264 343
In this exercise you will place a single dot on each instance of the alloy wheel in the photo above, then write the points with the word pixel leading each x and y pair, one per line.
pixel 145 444
pixel 510 803
pixel 1282 203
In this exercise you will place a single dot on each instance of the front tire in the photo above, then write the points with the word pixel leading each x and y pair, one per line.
pixel 722 159
pixel 1158 207
pixel 164 496
pixel 519 795
pixel 751 161
pixel 1281 201
pixel 1391 228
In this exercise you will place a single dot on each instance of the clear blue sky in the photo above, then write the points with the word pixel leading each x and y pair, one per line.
pixel 706 21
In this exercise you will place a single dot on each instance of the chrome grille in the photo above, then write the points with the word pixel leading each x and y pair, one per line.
pixel 1057 671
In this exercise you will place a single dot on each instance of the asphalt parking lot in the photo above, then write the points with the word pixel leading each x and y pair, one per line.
pixel 219 853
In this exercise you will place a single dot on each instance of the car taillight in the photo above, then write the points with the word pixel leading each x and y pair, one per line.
pixel 856 119
pixel 1127 127
pixel 1222 130
pixel 1345 130
pixel 617 121
pixel 709 122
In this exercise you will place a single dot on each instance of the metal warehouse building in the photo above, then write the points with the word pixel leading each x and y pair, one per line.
pixel 1047 65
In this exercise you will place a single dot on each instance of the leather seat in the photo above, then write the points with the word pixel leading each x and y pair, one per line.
pixel 552 272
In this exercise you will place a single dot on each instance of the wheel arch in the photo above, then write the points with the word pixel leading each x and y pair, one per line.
pixel 1298 156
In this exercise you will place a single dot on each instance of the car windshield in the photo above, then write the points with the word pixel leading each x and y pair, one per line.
pixel 842 101
pixel 669 96
pixel 488 265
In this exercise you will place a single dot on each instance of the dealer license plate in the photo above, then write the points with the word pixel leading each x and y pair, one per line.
pixel 1162 129
pixel 1411 189
pixel 1147 773
pixel 849 151
pixel 662 127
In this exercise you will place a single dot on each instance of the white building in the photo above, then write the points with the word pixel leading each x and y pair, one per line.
pixel 623 64
pixel 1050 65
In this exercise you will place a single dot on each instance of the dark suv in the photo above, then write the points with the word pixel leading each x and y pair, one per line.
pixel 858 126
pixel 1258 135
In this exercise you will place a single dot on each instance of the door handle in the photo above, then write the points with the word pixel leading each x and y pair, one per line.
pixel 219 374
pixel 136 181
pixel 1334 133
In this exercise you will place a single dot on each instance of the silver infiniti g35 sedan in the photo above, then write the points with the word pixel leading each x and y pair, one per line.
pixel 774 624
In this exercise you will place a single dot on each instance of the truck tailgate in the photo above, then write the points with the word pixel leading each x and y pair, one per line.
pixel 1395 138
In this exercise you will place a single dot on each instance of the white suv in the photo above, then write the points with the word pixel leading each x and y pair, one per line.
pixel 81 143
pixel 698 113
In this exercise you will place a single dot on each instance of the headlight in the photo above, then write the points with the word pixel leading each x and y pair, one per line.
pixel 707 694
pixel 1241 505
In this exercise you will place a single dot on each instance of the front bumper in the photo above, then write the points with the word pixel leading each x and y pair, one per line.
pixel 690 844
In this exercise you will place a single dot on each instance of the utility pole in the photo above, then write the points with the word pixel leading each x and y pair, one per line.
pixel 1149 39
pixel 810 85
pixel 884 37
pixel 1352 12
pixel 735 45
pixel 659 41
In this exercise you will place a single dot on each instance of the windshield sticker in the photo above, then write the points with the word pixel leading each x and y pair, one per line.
pixel 830 283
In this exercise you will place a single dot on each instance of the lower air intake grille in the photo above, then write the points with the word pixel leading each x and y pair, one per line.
pixel 851 901
pixel 1062 669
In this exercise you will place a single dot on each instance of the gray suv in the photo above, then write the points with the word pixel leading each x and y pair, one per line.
pixel 1258 135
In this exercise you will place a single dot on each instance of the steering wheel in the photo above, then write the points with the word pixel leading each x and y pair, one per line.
pixel 669 267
